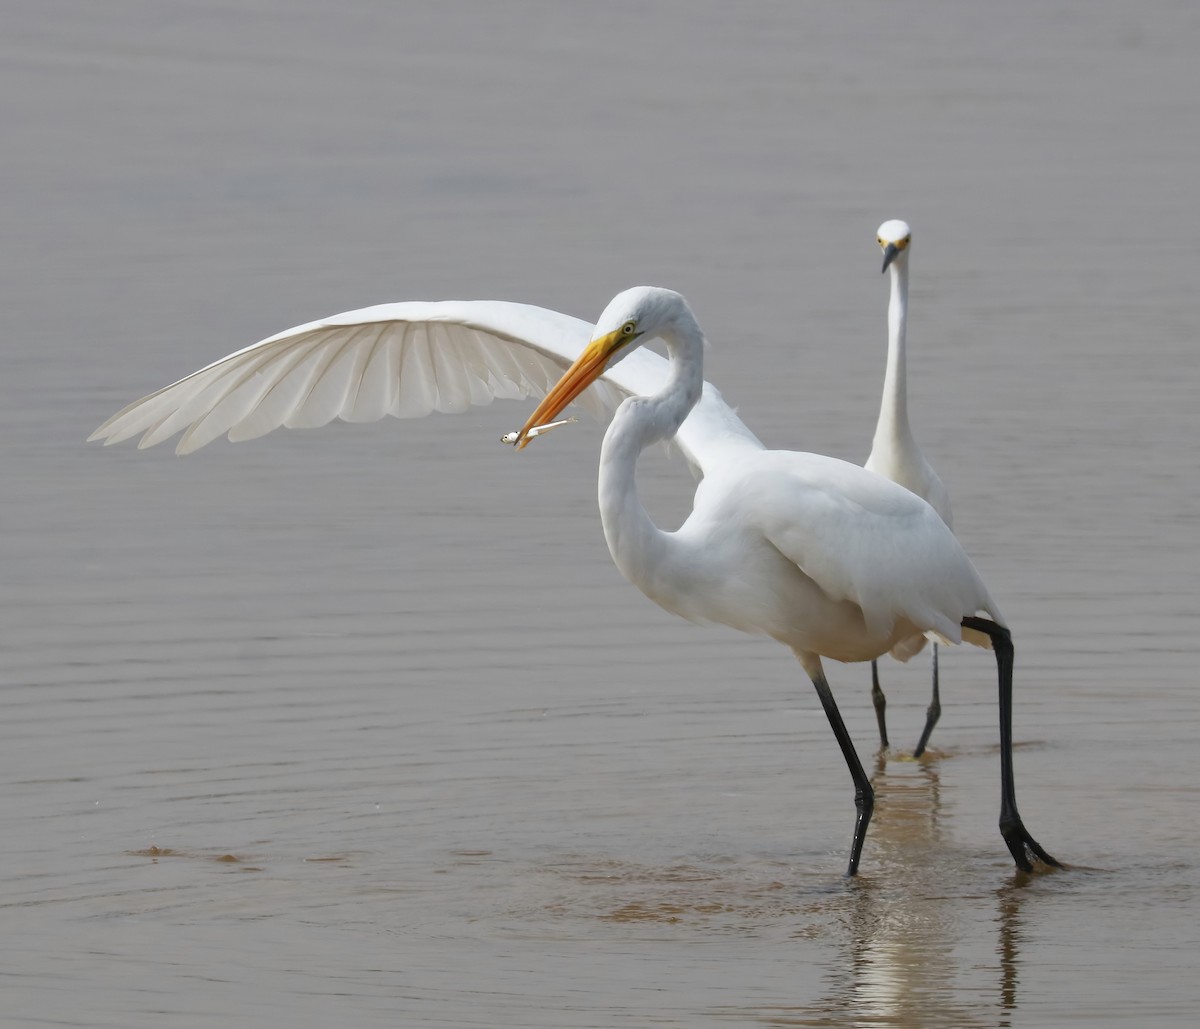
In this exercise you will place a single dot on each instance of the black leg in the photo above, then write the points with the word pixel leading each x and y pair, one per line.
pixel 864 795
pixel 933 713
pixel 1021 845
pixel 880 702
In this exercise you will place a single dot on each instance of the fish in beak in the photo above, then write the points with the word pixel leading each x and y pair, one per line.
pixel 588 367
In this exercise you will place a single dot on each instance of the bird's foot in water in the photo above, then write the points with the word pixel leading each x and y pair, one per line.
pixel 932 715
pixel 1024 848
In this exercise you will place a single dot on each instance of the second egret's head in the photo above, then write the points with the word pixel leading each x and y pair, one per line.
pixel 893 237
pixel 631 319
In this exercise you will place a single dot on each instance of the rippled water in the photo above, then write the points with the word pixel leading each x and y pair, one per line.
pixel 361 727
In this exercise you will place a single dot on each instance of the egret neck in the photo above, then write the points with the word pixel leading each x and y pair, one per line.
pixel 892 428
pixel 637 545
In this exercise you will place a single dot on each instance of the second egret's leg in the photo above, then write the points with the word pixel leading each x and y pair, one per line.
pixel 864 793
pixel 934 712
pixel 880 702
pixel 1021 845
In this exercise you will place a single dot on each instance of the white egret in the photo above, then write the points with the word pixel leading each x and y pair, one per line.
pixel 894 451
pixel 826 557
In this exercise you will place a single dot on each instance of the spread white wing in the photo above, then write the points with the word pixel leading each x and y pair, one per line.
pixel 404 360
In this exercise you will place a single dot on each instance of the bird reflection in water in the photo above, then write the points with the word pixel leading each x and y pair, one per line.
pixel 911 953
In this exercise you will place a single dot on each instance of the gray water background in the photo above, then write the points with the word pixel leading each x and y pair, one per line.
pixel 361 727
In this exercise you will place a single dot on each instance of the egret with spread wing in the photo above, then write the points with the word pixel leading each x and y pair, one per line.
pixel 826 557
pixel 894 451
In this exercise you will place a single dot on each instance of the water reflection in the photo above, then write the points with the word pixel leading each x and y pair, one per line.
pixel 1008 921
pixel 923 937
pixel 905 929
pixel 900 941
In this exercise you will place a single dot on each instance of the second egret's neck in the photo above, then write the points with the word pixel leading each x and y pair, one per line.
pixel 893 412
pixel 637 545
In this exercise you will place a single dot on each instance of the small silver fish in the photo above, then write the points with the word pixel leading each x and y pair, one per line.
pixel 511 437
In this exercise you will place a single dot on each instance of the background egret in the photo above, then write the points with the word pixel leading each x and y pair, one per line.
pixel 819 554
pixel 894 450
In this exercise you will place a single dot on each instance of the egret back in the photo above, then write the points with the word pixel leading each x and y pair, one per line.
pixel 868 540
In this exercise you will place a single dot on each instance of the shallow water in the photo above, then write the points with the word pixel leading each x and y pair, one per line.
pixel 361 727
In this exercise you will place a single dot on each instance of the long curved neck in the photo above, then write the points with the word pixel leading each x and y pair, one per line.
pixel 638 546
pixel 893 411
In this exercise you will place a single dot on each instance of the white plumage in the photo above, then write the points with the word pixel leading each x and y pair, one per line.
pixel 822 555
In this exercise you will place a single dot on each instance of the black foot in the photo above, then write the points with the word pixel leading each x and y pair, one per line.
pixel 1024 848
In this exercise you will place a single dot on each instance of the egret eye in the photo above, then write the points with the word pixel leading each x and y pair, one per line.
pixel 627 328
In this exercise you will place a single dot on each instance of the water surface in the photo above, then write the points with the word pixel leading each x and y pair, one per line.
pixel 361 726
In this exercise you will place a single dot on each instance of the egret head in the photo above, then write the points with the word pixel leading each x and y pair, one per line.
pixel 649 309
pixel 893 237
pixel 631 318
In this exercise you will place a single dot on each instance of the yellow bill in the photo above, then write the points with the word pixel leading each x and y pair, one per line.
pixel 588 367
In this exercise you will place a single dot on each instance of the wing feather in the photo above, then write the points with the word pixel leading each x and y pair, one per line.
pixel 290 374
pixel 328 386
pixel 451 374
pixel 417 396
pixel 221 382
pixel 372 393
pixel 230 398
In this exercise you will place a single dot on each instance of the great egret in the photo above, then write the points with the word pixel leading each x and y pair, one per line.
pixel 894 451
pixel 826 557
